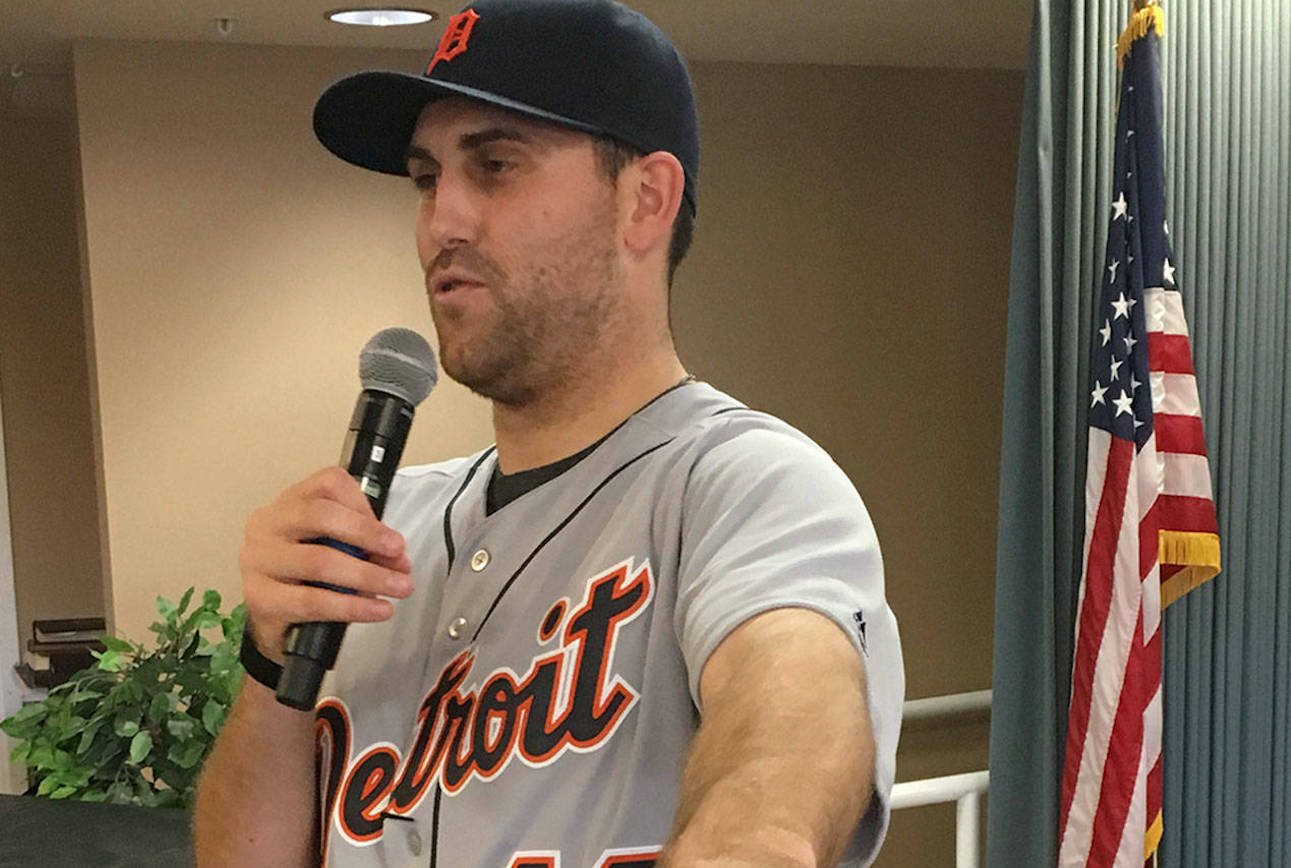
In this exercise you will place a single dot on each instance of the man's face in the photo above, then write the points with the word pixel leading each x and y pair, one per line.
pixel 517 236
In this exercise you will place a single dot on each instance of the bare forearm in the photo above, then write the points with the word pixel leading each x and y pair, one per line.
pixel 789 807
pixel 779 773
pixel 255 799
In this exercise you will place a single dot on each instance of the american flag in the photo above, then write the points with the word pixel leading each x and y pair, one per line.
pixel 1150 528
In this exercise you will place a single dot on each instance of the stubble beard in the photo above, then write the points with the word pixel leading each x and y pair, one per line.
pixel 548 324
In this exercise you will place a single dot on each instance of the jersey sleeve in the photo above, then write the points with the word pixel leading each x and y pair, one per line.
pixel 770 521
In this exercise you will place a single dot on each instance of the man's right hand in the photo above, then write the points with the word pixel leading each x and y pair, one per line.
pixel 276 561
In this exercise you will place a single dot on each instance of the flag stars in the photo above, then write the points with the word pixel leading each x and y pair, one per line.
pixel 1106 332
pixel 1111 269
pixel 1134 384
pixel 1167 271
pixel 1122 307
pixel 1116 367
pixel 1099 391
pixel 1129 134
pixel 1120 206
pixel 1124 404
pixel 1129 344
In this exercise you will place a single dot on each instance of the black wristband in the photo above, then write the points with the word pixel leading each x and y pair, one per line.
pixel 258 666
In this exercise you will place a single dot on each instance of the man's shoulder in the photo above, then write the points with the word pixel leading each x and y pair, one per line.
pixel 450 468
pixel 723 423
pixel 446 475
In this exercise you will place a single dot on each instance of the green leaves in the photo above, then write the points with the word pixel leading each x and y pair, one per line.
pixel 186 754
pixel 109 661
pixel 134 727
pixel 213 716
pixel 140 746
pixel 121 646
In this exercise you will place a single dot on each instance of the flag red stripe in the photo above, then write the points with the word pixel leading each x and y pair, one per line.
pixel 1189 514
pixel 1154 792
pixel 1169 353
pixel 1124 751
pixel 1149 540
pixel 1176 433
pixel 1093 611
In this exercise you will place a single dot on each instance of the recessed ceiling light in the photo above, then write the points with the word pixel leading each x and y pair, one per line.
pixel 381 17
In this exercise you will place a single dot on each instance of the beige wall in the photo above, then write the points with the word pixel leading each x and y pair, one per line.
pixel 236 269
pixel 849 274
pixel 43 374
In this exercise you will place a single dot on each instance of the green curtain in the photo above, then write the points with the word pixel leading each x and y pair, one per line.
pixel 1227 645
pixel 1058 235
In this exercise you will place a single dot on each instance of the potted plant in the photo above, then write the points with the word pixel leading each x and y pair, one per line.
pixel 135 727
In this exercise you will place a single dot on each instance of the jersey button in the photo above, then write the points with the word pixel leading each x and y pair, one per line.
pixel 480 560
pixel 414 843
pixel 457 628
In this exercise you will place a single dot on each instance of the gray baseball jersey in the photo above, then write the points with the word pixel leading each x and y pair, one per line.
pixel 531 704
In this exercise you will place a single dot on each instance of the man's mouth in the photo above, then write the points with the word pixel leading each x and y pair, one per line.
pixel 449 285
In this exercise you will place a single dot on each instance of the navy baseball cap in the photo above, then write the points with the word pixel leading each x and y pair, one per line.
pixel 590 65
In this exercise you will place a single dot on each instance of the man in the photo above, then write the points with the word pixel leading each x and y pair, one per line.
pixel 648 626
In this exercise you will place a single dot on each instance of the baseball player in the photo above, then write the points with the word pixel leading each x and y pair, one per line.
pixel 647 626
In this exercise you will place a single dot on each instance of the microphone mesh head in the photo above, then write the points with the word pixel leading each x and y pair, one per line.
pixel 400 362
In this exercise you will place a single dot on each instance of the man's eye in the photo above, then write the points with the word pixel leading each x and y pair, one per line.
pixel 496 166
pixel 425 180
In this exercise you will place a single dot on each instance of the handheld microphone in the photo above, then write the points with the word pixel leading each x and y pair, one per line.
pixel 397 370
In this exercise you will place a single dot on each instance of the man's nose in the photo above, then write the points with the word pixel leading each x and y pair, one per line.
pixel 452 217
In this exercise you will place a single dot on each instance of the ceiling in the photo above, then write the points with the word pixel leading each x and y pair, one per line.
pixel 931 33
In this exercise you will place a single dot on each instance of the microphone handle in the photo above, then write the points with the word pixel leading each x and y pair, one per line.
pixel 373 446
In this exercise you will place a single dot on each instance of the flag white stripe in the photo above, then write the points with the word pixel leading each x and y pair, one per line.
pixel 1164 311
pixel 1178 394
pixel 1099 442
pixel 1152 729
pixel 1130 852
pixel 1151 600
pixel 1109 675
pixel 1175 322
pixel 1187 475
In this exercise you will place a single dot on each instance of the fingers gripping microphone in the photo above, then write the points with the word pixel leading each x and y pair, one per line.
pixel 397 369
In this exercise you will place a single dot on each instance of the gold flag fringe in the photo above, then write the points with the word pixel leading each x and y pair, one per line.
pixel 1148 18
pixel 1200 551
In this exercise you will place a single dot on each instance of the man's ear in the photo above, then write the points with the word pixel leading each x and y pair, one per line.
pixel 651 199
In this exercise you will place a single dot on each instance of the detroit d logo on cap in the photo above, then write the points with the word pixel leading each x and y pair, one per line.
pixel 454 40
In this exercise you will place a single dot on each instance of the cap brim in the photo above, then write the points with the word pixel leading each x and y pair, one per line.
pixel 368 119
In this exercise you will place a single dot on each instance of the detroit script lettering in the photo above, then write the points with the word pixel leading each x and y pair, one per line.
pixel 471 729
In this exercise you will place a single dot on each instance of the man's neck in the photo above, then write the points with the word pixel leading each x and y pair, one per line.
pixel 581 412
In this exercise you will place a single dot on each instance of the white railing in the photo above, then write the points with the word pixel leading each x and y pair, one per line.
pixel 946 706
pixel 965 790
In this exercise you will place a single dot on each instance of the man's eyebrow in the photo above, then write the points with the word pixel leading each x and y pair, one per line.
pixel 416 152
pixel 471 141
